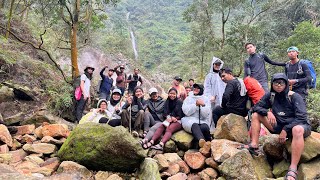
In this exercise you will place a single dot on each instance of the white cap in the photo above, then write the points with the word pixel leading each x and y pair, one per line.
pixel 153 90
pixel 116 90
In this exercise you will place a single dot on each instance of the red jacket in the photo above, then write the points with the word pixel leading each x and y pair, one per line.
pixel 254 89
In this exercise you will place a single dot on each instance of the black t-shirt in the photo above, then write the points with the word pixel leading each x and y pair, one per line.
pixel 301 72
pixel 135 79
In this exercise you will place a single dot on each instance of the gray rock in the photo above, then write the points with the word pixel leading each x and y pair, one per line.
pixel 309 170
pixel 273 149
pixel 280 169
pixel 44 148
pixel 311 147
pixel 6 94
pixel 222 149
pixel 89 142
pixel 239 166
pixel 14 119
pixel 72 167
pixel 232 127
pixel 149 170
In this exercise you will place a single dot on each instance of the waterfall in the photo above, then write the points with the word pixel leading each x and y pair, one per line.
pixel 133 39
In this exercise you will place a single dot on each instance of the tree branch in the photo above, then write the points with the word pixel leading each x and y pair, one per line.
pixel 42 38
pixel 38 48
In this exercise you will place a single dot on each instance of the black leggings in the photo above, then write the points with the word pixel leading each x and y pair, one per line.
pixel 112 122
pixel 201 131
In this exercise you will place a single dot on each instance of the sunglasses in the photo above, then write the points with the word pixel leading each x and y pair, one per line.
pixel 279 82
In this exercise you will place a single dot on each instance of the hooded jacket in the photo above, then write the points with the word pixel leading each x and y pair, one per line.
pixel 137 103
pixel 112 105
pixel 213 85
pixel 192 112
pixel 95 115
pixel 289 111
pixel 156 108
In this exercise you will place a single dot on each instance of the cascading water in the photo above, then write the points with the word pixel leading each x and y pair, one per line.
pixel 133 39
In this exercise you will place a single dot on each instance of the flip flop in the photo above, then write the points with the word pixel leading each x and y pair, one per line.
pixel 157 147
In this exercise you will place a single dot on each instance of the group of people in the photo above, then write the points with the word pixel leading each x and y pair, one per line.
pixel 196 108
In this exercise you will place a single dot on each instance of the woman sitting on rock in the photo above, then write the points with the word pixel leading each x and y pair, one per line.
pixel 95 115
pixel 133 110
pixel 115 107
pixel 197 109
pixel 173 113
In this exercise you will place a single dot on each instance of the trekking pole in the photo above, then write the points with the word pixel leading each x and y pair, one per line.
pixel 130 119
pixel 199 114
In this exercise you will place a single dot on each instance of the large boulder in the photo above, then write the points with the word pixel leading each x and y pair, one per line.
pixel 311 147
pixel 240 166
pixel 232 127
pixel 243 166
pixel 149 170
pixel 182 139
pixel 102 147
pixel 5 136
pixel 222 149
pixel 309 170
pixel 273 149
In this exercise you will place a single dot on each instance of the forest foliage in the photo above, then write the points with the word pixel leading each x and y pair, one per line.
pixel 178 37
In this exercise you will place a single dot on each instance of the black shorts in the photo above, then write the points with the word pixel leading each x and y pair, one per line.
pixel 278 128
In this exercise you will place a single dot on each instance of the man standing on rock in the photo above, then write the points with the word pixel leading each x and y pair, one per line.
pixel 282 112
pixel 234 98
pixel 254 66
pixel 133 80
pixel 106 84
pixel 85 83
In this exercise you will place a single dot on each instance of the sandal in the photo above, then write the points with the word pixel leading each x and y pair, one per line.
pixel 158 147
pixel 291 172
pixel 143 135
pixel 143 141
pixel 147 145
pixel 252 150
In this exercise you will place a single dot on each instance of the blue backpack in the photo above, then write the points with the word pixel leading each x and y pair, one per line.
pixel 313 83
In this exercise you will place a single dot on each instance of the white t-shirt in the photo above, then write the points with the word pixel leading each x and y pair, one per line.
pixel 87 84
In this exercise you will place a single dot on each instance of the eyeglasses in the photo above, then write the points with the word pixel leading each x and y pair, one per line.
pixel 279 82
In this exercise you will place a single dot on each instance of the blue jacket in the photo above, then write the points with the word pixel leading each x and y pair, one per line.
pixel 106 82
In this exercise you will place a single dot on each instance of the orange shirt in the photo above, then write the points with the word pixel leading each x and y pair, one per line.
pixel 254 89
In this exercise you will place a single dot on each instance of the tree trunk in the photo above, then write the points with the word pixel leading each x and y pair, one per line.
pixel 3 2
pixel 9 19
pixel 74 49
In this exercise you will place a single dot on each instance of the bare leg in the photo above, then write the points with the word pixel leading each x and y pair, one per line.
pixel 255 127
pixel 297 146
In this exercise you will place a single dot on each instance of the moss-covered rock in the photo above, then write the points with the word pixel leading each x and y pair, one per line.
pixel 280 169
pixel 102 147
pixel 149 170
pixel 182 139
